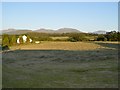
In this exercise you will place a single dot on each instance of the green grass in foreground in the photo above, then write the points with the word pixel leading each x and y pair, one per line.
pixel 60 69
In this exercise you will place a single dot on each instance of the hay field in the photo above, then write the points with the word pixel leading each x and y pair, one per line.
pixel 88 65
pixel 48 45
pixel 60 38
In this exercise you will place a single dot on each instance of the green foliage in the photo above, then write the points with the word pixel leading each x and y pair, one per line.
pixel 74 37
pixel 112 36
pixel 12 39
pixel 101 38
pixel 5 40
pixel 39 36
pixel 45 39
pixel 21 39
pixel 60 40
pixel 28 39
pixel 5 47
pixel 109 36
pixel 118 36
pixel 8 40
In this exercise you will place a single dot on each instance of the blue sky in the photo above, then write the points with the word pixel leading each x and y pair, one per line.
pixel 85 16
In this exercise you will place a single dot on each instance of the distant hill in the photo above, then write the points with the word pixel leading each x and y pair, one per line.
pixel 61 30
pixel 67 30
pixel 42 30
pixel 14 31
pixel 100 32
pixel 8 30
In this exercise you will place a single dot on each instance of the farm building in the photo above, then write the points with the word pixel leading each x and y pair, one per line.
pixel 24 39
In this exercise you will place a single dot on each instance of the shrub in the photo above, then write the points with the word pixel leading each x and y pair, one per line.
pixel 72 39
pixel 5 47
pixel 101 38
pixel 13 40
pixel 112 36
pixel 5 40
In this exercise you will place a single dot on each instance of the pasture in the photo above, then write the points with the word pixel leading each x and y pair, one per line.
pixel 55 45
pixel 61 65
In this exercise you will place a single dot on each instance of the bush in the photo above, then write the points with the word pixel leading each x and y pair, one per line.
pixel 74 37
pixel 112 36
pixel 13 39
pixel 101 38
pixel 5 40
pixel 5 47
pixel 21 40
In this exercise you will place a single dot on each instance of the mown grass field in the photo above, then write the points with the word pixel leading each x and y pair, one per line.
pixel 55 45
pixel 61 65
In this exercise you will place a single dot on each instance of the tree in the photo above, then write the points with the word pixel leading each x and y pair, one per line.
pixel 21 39
pixel 5 40
pixel 28 39
pixel 74 37
pixel 112 36
pixel 13 40
pixel 118 36
pixel 101 38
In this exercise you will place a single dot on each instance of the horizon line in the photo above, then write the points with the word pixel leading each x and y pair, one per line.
pixel 57 29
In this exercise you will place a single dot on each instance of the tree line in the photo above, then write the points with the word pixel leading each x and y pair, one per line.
pixel 72 37
pixel 109 36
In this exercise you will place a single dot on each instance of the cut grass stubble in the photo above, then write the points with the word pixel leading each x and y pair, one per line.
pixel 94 68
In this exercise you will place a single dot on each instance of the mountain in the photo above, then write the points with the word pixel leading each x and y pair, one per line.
pixel 61 30
pixel 67 30
pixel 8 30
pixel 14 31
pixel 100 32
pixel 42 30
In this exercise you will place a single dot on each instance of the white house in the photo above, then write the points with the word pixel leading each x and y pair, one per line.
pixel 24 37
pixel 18 40
pixel 30 40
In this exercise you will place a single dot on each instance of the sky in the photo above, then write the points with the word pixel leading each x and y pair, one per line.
pixel 84 16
